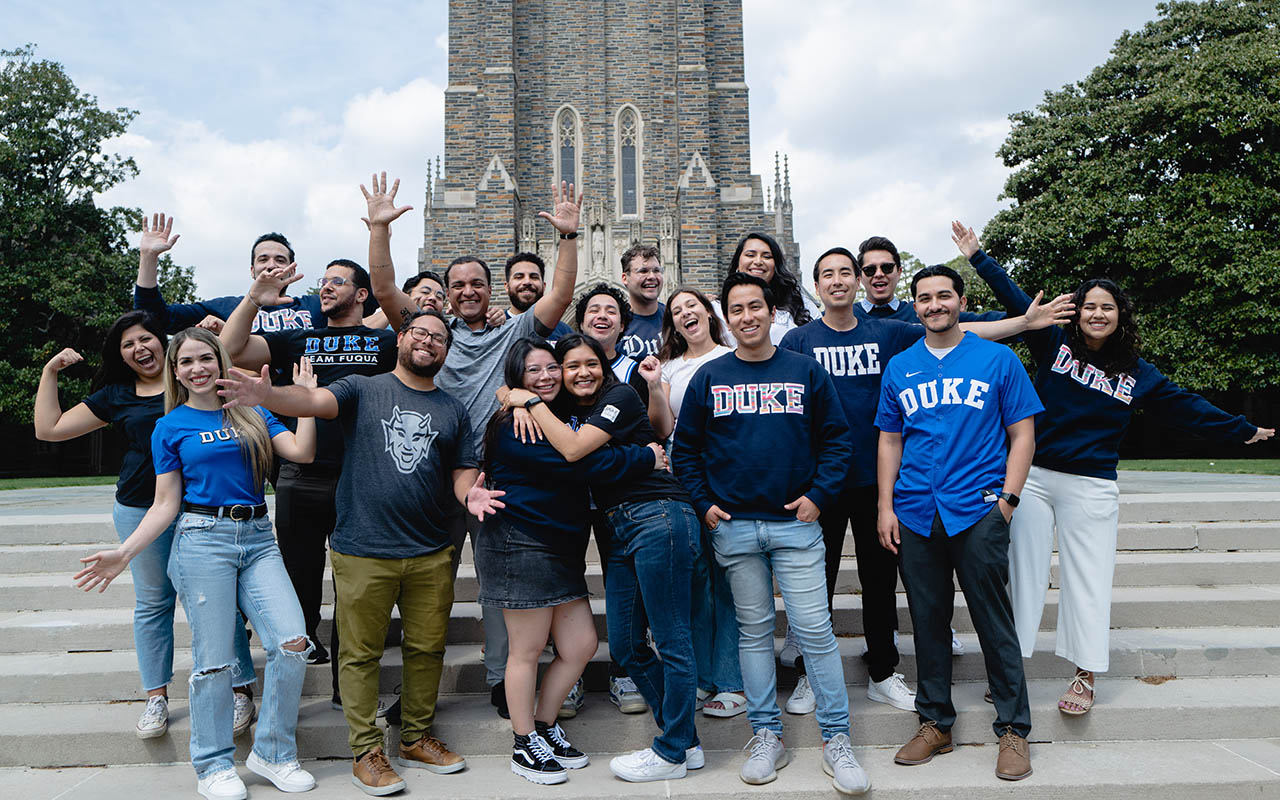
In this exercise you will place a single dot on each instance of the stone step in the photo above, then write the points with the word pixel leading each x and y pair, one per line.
pixel 1132 607
pixel 1141 652
pixel 79 734
pixel 1200 507
pixel 1180 770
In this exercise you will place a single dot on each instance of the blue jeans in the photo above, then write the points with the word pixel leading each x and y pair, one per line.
pixel 154 601
pixel 749 550
pixel 217 564
pixel 651 568
pixel 715 648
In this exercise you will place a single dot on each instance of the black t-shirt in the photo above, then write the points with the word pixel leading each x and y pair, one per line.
pixel 620 413
pixel 135 418
pixel 335 353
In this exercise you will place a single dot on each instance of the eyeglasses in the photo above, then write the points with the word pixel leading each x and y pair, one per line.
pixel 550 369
pixel 646 271
pixel 421 334
pixel 336 280
pixel 870 269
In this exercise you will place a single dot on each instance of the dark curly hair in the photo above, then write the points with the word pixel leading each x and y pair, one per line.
pixel 580 308
pixel 1119 353
pixel 785 286
pixel 112 368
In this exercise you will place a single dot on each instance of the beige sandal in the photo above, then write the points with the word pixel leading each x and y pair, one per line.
pixel 1075 695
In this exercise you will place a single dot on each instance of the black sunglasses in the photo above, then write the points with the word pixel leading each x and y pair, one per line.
pixel 870 269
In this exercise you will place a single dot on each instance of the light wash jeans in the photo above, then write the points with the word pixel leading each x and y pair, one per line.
pixel 154 601
pixel 217 564
pixel 753 552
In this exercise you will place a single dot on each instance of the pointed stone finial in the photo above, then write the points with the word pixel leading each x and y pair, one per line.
pixel 768 198
pixel 777 183
pixel 437 169
pixel 786 169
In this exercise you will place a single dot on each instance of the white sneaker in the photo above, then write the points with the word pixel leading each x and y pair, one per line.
pixel 222 785
pixel 243 713
pixel 957 646
pixel 694 758
pixel 573 703
pixel 646 765
pixel 625 695
pixel 289 777
pixel 790 649
pixel 847 775
pixel 155 718
pixel 892 691
pixel 802 700
pixel 767 756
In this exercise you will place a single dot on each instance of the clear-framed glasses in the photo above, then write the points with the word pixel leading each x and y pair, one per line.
pixel 421 334
pixel 550 369
pixel 336 280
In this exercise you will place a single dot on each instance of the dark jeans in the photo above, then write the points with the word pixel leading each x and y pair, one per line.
pixel 979 557
pixel 714 616
pixel 877 572
pixel 651 569
pixel 604 545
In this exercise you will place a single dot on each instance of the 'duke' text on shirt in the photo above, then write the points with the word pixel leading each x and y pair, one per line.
pixel 757 398
pixel 954 392
pixel 342 349
pixel 220 435
pixel 1094 378
pixel 282 319
pixel 852 359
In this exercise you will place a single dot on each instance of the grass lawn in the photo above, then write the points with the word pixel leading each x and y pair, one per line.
pixel 1236 466
pixel 44 483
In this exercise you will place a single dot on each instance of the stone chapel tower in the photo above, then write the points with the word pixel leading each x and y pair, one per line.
pixel 642 103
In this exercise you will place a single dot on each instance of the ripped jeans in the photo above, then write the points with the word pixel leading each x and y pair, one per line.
pixel 217 563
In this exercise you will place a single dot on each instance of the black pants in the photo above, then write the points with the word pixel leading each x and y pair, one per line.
pixel 979 558
pixel 603 533
pixel 877 572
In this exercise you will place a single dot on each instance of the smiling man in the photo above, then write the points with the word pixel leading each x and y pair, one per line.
pixel 642 274
pixel 525 287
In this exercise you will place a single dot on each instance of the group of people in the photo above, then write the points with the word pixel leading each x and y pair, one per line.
pixel 712 445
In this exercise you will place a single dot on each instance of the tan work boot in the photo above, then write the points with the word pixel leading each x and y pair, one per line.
pixel 1014 761
pixel 927 743
pixel 372 774
pixel 431 753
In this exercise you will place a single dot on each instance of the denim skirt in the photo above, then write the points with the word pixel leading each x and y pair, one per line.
pixel 517 570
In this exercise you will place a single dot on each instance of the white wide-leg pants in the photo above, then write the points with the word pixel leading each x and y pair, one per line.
pixel 1085 512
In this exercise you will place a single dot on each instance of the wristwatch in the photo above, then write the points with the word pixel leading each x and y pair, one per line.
pixel 573 235
pixel 1010 498
pixel 533 401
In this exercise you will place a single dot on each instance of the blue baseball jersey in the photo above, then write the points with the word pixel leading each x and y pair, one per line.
pixel 952 413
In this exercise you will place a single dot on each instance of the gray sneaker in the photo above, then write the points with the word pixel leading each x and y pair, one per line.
pixel 847 775
pixel 155 718
pixel 767 756
pixel 243 713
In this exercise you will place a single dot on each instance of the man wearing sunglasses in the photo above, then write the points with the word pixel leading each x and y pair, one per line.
pixel 879 270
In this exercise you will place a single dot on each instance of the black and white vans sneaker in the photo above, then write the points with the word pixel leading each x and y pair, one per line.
pixel 532 759
pixel 568 755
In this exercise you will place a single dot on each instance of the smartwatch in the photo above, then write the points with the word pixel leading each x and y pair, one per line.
pixel 1010 498
pixel 533 401
pixel 573 235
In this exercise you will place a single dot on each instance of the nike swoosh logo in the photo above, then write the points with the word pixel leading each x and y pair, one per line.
pixel 913 374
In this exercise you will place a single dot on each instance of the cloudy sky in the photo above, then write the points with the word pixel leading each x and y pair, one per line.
pixel 266 115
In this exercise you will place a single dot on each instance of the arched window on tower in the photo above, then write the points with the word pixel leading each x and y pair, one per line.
pixel 565 145
pixel 628 139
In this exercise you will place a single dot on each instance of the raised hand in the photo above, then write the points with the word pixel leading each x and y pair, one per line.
pixel 270 287
pixel 303 374
pixel 63 359
pixel 156 239
pixel 382 204
pixel 651 370
pixel 481 501
pixel 100 570
pixel 1058 311
pixel 964 238
pixel 565 212
pixel 242 389
pixel 212 324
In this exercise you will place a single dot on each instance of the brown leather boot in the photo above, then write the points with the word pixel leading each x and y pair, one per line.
pixel 927 743
pixel 372 774
pixel 430 753
pixel 1014 761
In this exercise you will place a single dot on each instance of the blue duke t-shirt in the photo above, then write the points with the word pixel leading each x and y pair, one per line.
pixel 207 452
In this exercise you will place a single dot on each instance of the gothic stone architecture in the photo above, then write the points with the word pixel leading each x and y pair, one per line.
pixel 641 103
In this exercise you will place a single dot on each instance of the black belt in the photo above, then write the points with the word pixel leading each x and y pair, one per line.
pixel 238 513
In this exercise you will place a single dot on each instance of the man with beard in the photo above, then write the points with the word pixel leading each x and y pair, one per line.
pixel 642 275
pixel 408 457
pixel 525 287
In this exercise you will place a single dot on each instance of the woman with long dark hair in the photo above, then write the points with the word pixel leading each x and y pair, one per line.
pixel 1091 378
pixel 128 392
pixel 759 254
pixel 531 561
pixel 210 463
pixel 655 538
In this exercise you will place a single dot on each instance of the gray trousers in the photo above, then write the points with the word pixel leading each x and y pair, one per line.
pixel 495 628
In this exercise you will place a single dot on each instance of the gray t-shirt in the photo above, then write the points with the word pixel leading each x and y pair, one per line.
pixel 473 370
pixel 402 446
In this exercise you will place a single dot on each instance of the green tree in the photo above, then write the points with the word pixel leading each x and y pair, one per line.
pixel 68 263
pixel 979 295
pixel 1161 170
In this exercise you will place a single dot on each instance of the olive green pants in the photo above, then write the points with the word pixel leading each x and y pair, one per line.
pixel 366 589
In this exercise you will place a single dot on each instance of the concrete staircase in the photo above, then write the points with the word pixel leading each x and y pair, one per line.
pixel 1190 708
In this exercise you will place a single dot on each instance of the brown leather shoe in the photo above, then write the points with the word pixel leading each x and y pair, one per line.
pixel 927 743
pixel 372 774
pixel 1014 761
pixel 430 753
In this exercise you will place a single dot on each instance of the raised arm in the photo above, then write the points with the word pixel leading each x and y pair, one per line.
pixel 660 416
pixel 156 239
pixel 248 350
pixel 556 301
pixel 52 425
pixel 1057 311
pixel 240 389
pixel 396 305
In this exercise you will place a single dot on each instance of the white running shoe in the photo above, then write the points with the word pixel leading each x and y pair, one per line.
pixel 625 695
pixel 767 756
pixel 288 777
pixel 957 646
pixel 222 785
pixel 847 775
pixel 802 700
pixel 893 691
pixel 790 649
pixel 646 765
pixel 244 712
pixel 694 758
pixel 155 718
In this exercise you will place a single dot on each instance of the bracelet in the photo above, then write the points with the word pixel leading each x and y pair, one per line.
pixel 573 235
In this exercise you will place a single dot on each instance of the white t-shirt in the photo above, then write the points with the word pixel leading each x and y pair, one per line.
pixel 679 371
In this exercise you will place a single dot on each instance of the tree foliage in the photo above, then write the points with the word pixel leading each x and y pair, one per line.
pixel 68 263
pixel 1161 170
